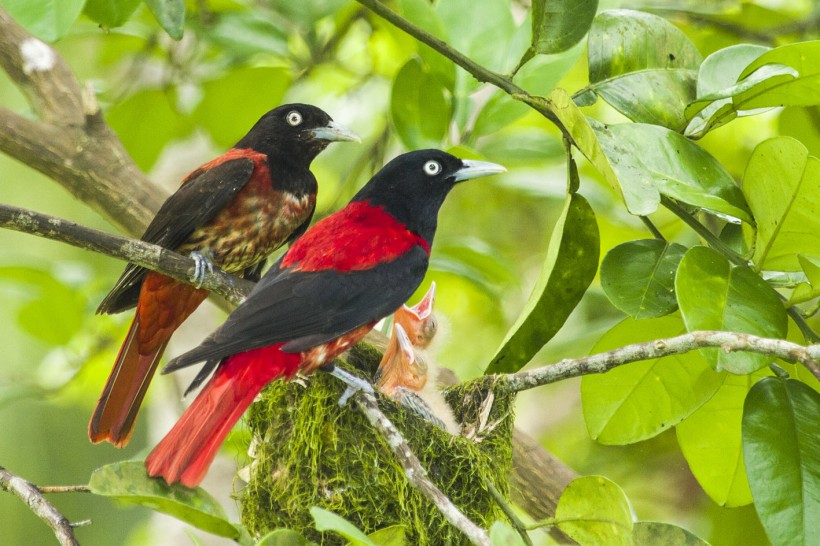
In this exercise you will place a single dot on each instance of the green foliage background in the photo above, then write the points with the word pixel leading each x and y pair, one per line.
pixel 177 104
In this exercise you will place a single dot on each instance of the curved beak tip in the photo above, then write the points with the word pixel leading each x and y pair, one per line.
pixel 335 132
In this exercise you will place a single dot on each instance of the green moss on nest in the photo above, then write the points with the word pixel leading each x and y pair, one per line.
pixel 310 452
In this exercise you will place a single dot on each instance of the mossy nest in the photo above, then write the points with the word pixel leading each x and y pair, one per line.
pixel 310 452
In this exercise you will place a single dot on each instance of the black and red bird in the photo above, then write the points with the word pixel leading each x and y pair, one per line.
pixel 232 212
pixel 326 292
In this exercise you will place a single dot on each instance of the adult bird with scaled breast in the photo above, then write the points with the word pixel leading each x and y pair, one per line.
pixel 324 294
pixel 232 211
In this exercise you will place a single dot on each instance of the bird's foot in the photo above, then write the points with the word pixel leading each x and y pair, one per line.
pixel 354 384
pixel 204 265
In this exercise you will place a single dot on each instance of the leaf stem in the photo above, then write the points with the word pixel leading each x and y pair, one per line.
pixel 711 239
pixel 652 228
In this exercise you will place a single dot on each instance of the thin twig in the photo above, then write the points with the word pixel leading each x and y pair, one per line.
pixel 65 489
pixel 38 504
pixel 415 473
pixel 502 503
pixel 138 252
pixel 479 72
pixel 727 341
pixel 652 228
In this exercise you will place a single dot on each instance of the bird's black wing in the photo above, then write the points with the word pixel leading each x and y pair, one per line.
pixel 305 309
pixel 197 201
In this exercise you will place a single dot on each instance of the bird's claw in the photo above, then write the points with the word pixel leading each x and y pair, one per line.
pixel 354 384
pixel 203 265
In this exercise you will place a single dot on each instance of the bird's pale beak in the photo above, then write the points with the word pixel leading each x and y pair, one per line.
pixel 476 169
pixel 334 133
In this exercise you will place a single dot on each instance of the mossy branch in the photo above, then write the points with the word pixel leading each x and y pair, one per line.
pixel 415 473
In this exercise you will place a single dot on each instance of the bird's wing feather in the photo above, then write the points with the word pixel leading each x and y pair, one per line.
pixel 306 309
pixel 202 195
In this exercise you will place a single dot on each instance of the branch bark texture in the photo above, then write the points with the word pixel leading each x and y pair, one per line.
pixel 34 499
pixel 70 141
pixel 603 362
pixel 139 252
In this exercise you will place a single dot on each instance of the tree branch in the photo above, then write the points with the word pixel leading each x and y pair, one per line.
pixel 415 473
pixel 64 489
pixel 144 254
pixel 476 70
pixel 70 142
pixel 38 504
pixel 727 341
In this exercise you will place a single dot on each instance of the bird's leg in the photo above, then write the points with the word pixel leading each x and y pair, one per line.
pixel 204 264
pixel 353 383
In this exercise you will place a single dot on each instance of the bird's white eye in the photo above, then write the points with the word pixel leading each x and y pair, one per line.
pixel 432 168
pixel 294 118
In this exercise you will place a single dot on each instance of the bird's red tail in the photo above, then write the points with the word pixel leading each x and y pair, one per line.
pixel 116 412
pixel 186 452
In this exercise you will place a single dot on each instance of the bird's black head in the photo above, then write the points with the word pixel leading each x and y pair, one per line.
pixel 296 133
pixel 412 187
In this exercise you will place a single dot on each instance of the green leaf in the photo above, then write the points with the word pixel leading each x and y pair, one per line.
pixel 46 19
pixel 639 277
pixel 780 184
pixel 419 107
pixel 639 194
pixel 655 533
pixel 422 14
pixel 328 521
pixel 232 104
pixel 53 312
pixel 648 156
pixel 110 13
pixel 128 481
pixel 640 400
pixel 570 266
pixel 715 295
pixel 795 90
pixel 717 76
pixel 557 25
pixel 170 14
pixel 785 76
pixel 283 537
pixel 390 536
pixel 722 68
pixel 643 66
pixel 146 122
pixel 806 291
pixel 781 446
pixel 593 510
pixel 710 440
pixel 802 124
pixel 502 534
pixel 479 29
pixel 245 34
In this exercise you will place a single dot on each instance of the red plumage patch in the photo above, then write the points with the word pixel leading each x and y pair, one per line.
pixel 359 236
pixel 258 158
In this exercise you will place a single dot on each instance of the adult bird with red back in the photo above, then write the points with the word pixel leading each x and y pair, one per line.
pixel 325 293
pixel 233 212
